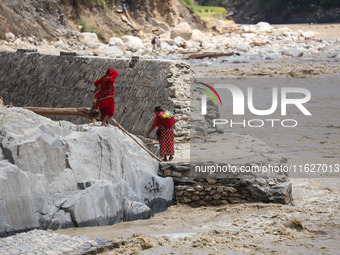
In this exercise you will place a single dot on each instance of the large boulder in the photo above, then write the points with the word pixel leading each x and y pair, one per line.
pixel 198 36
pixel 10 36
pixel 57 174
pixel 183 30
pixel 294 52
pixel 160 24
pixel 132 43
pixel 114 41
pixel 89 39
pixel 337 58
pixel 263 27
pixel 112 51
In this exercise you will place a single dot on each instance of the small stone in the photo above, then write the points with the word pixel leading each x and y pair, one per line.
pixel 176 174
pixel 261 181
pixel 201 203
pixel 208 198
pixel 199 188
pixel 230 189
pixel 187 173
pixel 208 189
pixel 212 192
pixel 179 193
pixel 219 189
pixel 211 180
pixel 272 183
pixel 181 187
pixel 186 200
pixel 217 196
pixel 10 37
pixel 195 198
pixel 190 189
pixel 167 172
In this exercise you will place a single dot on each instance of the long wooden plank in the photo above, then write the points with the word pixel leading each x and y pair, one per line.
pixel 79 111
pixel 210 55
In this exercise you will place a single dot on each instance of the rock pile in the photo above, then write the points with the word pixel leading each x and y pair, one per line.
pixel 221 192
pixel 247 42
pixel 43 242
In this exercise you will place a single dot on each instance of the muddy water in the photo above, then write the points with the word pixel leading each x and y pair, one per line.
pixel 311 226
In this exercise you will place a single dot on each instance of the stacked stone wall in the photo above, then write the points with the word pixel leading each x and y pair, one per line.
pixel 32 79
pixel 241 189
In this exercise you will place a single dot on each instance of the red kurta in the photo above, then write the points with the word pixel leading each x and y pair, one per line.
pixel 165 135
pixel 104 97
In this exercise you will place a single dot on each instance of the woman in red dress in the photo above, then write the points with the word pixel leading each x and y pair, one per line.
pixel 164 120
pixel 104 97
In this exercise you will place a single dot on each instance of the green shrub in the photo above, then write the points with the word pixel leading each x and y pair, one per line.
pixel 204 10
pixel 2 35
pixel 96 3
pixel 84 25
pixel 190 4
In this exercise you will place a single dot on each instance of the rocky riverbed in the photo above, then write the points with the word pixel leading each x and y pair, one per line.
pixel 243 43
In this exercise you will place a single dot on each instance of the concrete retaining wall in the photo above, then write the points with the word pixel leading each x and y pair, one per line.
pixel 32 79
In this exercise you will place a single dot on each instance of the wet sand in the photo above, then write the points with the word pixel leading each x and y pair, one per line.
pixel 310 226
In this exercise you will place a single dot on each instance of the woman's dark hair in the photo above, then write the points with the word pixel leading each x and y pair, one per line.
pixel 158 109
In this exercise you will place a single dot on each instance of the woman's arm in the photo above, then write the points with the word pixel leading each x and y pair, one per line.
pixel 97 83
pixel 150 130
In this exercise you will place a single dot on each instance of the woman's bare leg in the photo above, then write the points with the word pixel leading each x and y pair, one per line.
pixel 106 120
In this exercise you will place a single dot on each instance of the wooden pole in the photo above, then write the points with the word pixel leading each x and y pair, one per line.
pixel 210 55
pixel 133 138
pixel 80 111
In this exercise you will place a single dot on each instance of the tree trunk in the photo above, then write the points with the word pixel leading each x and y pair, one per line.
pixel 86 112
pixel 210 55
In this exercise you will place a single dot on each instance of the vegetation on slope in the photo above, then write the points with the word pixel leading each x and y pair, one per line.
pixel 278 5
pixel 205 12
